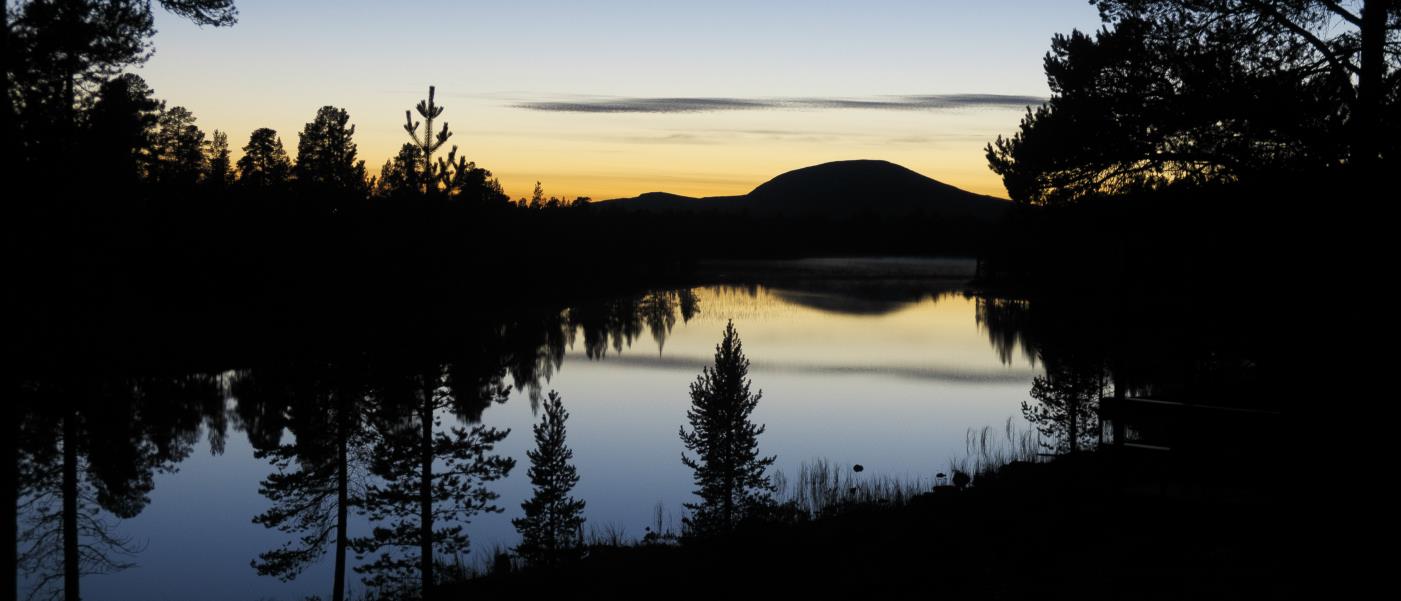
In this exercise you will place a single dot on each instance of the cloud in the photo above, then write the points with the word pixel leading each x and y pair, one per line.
pixel 677 138
pixel 646 105
pixel 706 105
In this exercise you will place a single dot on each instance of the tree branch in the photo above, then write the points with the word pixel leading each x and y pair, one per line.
pixel 1347 15
pixel 1313 40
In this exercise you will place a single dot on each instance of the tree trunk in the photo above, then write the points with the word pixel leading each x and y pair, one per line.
pixel 1074 407
pixel 1369 84
pixel 70 507
pixel 1117 421
pixel 425 489
pixel 12 490
pixel 7 110
pixel 342 496
pixel 428 186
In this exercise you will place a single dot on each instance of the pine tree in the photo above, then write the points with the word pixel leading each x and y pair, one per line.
pixel 92 448
pixel 432 480
pixel 729 473
pixel 1066 398
pixel 326 154
pixel 453 176
pixel 178 151
pixel 57 52
pixel 401 175
pixel 429 143
pixel 220 163
pixel 312 489
pixel 121 129
pixel 552 517
pixel 264 165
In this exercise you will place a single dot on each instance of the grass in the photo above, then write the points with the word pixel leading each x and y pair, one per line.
pixel 662 532
pixel 823 488
pixel 988 449
pixel 608 535
pixel 820 489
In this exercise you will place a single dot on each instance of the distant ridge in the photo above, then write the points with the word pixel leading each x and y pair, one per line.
pixel 840 188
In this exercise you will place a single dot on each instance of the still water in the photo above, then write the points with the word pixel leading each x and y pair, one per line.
pixel 888 374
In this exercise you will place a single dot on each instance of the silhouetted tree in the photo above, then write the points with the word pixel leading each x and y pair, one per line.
pixel 658 310
pixel 1204 91
pixel 430 142
pixel 121 128
pixel 453 176
pixel 617 320
pixel 729 473
pixel 537 197
pixel 1067 396
pixel 264 165
pixel 1351 43
pixel 94 445
pixel 220 162
pixel 402 174
pixel 326 155
pixel 553 519
pixel 538 201
pixel 261 410
pixel 433 479
pixel 689 303
pixel 178 151
pixel 312 489
pixel 469 183
pixel 60 508
pixel 64 49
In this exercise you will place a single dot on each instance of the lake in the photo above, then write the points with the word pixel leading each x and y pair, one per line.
pixel 883 363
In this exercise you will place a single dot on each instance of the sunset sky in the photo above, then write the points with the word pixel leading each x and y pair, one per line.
pixel 615 98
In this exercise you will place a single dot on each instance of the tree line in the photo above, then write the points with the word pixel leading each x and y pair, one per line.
pixel 1208 143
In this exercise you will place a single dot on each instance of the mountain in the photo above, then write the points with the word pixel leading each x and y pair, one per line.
pixel 666 201
pixel 840 188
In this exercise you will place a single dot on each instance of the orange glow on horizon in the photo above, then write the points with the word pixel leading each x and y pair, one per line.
pixel 617 156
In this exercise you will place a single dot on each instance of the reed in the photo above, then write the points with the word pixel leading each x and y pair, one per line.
pixel 987 449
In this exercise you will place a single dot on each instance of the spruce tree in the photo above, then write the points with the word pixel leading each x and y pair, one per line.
pixel 552 517
pixel 730 474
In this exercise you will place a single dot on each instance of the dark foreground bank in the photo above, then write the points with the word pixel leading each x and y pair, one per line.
pixel 1117 524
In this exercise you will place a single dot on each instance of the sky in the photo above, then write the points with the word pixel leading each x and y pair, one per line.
pixel 610 99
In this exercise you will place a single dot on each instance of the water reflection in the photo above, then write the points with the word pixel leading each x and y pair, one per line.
pixel 1139 372
pixel 336 448
pixel 90 447
pixel 347 441
pixel 318 477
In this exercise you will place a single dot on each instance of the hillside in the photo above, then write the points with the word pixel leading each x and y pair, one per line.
pixel 841 188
